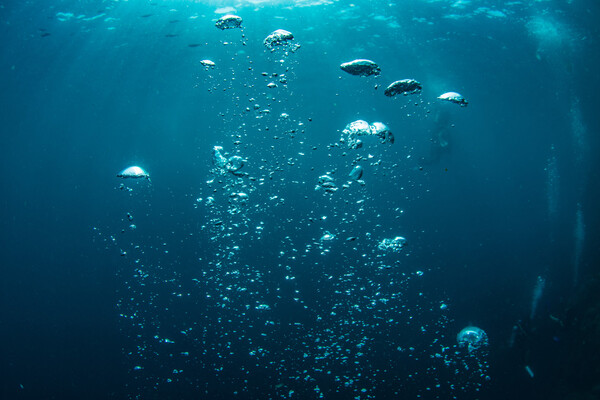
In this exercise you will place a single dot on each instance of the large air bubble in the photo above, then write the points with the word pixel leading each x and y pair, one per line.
pixel 354 130
pixel 472 338
pixel 361 68
pixel 229 21
pixel 134 172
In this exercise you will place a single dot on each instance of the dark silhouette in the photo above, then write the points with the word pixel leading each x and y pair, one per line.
pixel 439 139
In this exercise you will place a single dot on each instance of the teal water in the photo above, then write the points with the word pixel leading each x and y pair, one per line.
pixel 263 270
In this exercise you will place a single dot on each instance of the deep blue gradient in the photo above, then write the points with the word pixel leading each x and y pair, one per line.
pixel 120 83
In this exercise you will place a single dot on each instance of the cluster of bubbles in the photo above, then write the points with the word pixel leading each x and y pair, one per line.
pixel 354 130
pixel 326 183
pixel 395 245
pixel 294 291
pixel 225 164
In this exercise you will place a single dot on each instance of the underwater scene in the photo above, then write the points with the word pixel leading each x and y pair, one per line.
pixel 311 199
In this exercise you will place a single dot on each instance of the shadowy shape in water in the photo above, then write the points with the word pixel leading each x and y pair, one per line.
pixel 439 139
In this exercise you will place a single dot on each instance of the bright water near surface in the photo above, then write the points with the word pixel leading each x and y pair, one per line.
pixel 188 213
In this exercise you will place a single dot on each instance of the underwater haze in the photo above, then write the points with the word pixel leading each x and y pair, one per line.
pixel 311 199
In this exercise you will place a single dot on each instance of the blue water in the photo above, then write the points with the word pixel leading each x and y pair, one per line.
pixel 284 293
